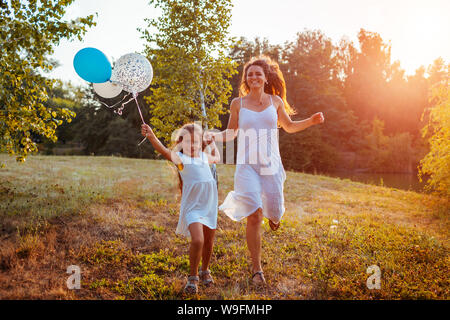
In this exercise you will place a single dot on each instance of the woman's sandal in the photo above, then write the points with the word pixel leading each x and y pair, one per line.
pixel 191 285
pixel 262 280
pixel 206 277
pixel 274 226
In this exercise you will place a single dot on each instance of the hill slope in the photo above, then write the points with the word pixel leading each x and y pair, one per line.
pixel 115 218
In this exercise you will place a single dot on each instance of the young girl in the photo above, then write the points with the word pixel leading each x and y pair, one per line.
pixel 199 201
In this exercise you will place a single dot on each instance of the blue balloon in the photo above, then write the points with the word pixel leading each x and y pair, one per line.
pixel 92 65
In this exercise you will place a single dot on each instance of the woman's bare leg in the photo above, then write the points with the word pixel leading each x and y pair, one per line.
pixel 254 238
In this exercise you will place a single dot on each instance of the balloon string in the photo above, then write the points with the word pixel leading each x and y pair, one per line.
pixel 137 104
pixel 142 118
pixel 119 111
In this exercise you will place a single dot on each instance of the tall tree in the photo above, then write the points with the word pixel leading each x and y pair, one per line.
pixel 29 30
pixel 366 81
pixel 436 163
pixel 119 134
pixel 191 67
pixel 311 67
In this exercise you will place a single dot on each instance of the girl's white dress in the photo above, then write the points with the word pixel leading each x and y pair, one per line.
pixel 199 199
pixel 260 175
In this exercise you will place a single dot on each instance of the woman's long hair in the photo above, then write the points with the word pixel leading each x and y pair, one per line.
pixel 187 128
pixel 275 81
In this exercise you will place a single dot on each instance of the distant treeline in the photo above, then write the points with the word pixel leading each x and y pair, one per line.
pixel 373 111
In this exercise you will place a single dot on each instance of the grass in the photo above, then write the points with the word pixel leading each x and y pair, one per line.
pixel 116 219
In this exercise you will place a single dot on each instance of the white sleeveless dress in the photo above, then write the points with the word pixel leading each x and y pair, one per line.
pixel 260 175
pixel 199 199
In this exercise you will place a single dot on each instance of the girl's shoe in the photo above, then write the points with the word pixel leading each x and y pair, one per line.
pixel 260 276
pixel 191 285
pixel 206 277
pixel 274 226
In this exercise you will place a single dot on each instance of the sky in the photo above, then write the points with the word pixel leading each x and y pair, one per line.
pixel 418 30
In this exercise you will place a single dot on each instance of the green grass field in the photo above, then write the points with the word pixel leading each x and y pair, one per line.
pixel 115 218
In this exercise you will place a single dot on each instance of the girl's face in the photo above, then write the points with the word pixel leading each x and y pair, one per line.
pixel 255 77
pixel 192 144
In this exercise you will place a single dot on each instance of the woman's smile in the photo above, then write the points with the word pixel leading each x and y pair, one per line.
pixel 255 76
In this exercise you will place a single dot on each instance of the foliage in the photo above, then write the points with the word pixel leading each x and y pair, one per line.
pixel 191 67
pixel 354 86
pixel 437 162
pixel 372 109
pixel 366 74
pixel 96 129
pixel 387 153
pixel 311 67
pixel 28 32
pixel 376 87
pixel 148 270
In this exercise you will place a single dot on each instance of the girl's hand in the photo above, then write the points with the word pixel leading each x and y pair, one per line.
pixel 208 137
pixel 145 129
pixel 317 118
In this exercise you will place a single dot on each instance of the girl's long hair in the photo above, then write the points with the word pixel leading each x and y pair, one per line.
pixel 190 128
pixel 275 81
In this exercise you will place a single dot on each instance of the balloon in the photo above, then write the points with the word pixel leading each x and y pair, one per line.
pixel 107 89
pixel 134 72
pixel 92 65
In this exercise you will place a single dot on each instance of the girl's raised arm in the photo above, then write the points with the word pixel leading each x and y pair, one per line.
pixel 167 153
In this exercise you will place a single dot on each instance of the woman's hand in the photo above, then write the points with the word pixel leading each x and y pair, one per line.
pixel 146 130
pixel 317 118
pixel 211 149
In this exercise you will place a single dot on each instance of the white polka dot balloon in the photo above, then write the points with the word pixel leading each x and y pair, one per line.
pixel 133 72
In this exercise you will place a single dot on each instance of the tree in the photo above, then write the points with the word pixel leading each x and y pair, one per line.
pixel 29 30
pixel 102 132
pixel 311 67
pixel 191 68
pixel 436 163
pixel 387 153
pixel 438 72
pixel 368 73
pixel 62 95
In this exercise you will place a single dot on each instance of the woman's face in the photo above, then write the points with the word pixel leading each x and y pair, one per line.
pixel 192 144
pixel 255 77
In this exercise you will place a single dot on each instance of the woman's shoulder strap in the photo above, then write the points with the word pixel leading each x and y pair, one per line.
pixel 203 156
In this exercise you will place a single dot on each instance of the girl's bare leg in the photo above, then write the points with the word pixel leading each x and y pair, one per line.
pixel 195 250
pixel 208 236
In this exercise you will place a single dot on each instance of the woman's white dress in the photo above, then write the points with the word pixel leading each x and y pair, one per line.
pixel 199 199
pixel 260 175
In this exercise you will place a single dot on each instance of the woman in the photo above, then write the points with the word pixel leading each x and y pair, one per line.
pixel 258 185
